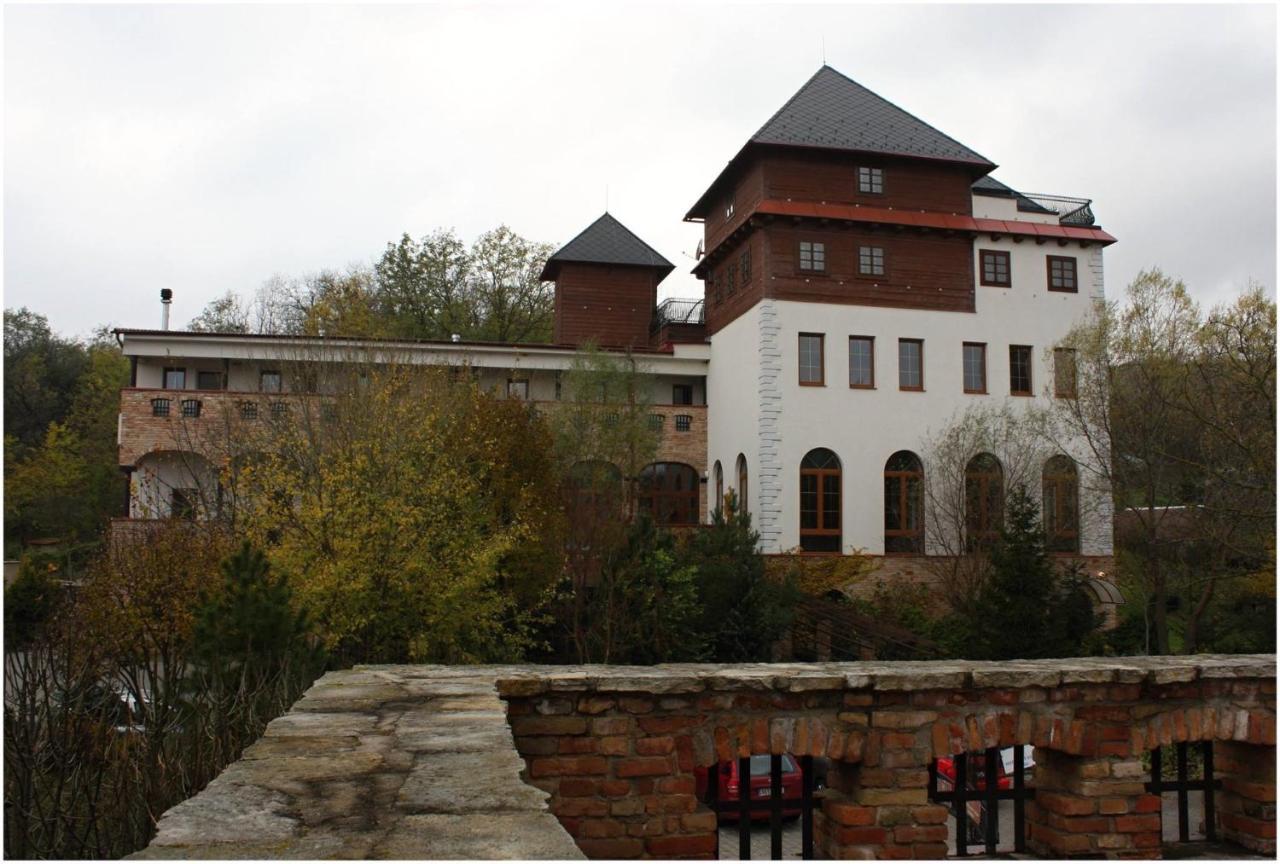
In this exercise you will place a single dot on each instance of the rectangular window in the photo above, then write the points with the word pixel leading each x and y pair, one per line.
pixel 175 379
pixel 862 362
pixel 871 181
pixel 159 407
pixel 975 367
pixel 684 422
pixel 813 256
pixel 1020 370
pixel 732 278
pixel 208 380
pixel 1064 373
pixel 248 410
pixel 518 388
pixel 1062 273
pixel 279 410
pixel 270 382
pixel 655 422
pixel 190 407
pixel 870 260
pixel 995 268
pixel 744 266
pixel 811 365
pixel 910 364
pixel 681 394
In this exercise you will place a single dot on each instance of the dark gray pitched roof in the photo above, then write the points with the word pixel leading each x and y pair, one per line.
pixel 607 241
pixel 836 112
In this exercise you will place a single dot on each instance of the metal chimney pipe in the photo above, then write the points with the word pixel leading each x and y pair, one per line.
pixel 166 300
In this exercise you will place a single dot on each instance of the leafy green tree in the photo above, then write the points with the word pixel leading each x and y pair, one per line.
pixel 515 305
pixel 645 608
pixel 225 314
pixel 743 612
pixel 40 374
pixel 30 601
pixel 1026 610
pixel 422 286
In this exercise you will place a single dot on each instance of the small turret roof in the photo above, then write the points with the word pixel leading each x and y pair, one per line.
pixel 607 241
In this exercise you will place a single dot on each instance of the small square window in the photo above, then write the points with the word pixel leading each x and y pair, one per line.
pixel 655 422
pixel 159 407
pixel 1062 273
pixel 518 388
pixel 208 380
pixel 190 407
pixel 871 181
pixel 681 394
pixel 870 260
pixel 975 367
pixel 248 410
pixel 811 360
pixel 279 410
pixel 1020 370
pixel 813 256
pixel 175 379
pixel 995 268
pixel 683 422
pixel 910 364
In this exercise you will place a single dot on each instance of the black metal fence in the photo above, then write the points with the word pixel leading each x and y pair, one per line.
pixel 750 805
pixel 973 791
pixel 1184 784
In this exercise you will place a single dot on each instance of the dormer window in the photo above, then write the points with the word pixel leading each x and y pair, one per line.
pixel 871 181
pixel 813 256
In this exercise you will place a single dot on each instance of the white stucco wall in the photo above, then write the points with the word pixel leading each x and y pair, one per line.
pixel 865 427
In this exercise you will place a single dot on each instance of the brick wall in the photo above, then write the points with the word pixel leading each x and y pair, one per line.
pixel 617 749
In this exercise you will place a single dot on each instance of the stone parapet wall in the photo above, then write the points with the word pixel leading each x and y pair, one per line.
pixel 618 749
pixel 556 762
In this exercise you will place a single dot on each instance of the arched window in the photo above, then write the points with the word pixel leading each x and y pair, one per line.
pixel 742 484
pixel 904 503
pixel 820 501
pixel 669 493
pixel 719 475
pixel 983 499
pixel 1061 505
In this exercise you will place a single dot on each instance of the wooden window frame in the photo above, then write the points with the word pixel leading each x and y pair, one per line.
pixel 884 262
pixel 822 360
pixel 222 379
pixel 984 525
pixel 1059 354
pixel 262 383
pixel 1050 260
pixel 731 278
pixel 744 266
pixel 650 498
pixel 811 270
pixel 871 340
pixel 920 387
pixel 820 475
pixel 1031 378
pixel 982 268
pixel 1062 487
pixel 964 346
pixel 677 389
pixel 874 174
pixel 902 478
pixel 164 377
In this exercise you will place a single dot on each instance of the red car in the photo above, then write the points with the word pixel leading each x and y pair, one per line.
pixel 976 770
pixel 761 784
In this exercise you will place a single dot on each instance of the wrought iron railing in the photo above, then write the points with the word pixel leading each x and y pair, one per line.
pixel 678 311
pixel 1071 211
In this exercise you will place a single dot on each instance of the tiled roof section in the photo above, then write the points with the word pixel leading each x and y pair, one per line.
pixel 836 112
pixel 607 241
pixel 991 186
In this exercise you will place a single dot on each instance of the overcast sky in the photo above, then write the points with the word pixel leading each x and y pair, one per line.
pixel 208 148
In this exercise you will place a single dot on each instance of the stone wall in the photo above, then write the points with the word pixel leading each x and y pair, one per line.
pixel 422 762
pixel 617 750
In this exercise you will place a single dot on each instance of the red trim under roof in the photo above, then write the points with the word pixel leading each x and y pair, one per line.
pixel 945 221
